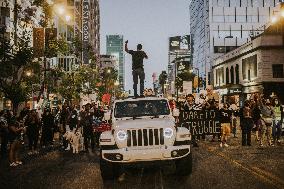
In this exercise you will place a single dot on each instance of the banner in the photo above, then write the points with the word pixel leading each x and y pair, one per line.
pixel 200 122
pixel 179 43
pixel 174 43
pixel 85 30
pixel 50 42
pixel 38 42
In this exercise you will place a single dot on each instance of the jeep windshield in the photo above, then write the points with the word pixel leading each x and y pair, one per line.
pixel 141 108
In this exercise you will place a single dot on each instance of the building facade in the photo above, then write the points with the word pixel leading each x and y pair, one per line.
pixel 255 67
pixel 114 47
pixel 108 61
pixel 219 26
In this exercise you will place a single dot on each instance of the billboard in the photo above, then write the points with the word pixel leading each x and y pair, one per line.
pixel 50 42
pixel 38 42
pixel 177 43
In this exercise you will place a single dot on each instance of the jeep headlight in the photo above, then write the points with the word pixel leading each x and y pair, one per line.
pixel 121 135
pixel 168 132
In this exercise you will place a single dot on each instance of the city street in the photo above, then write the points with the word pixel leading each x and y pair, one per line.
pixel 213 167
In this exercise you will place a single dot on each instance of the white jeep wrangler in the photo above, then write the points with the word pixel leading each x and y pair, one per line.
pixel 143 130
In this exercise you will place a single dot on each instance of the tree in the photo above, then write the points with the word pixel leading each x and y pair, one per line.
pixel 15 61
pixel 163 79
pixel 183 76
pixel 82 80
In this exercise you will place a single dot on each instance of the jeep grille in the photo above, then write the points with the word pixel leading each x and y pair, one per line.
pixel 145 137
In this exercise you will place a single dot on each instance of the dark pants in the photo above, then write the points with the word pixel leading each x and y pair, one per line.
pixel 4 143
pixel 46 136
pixel 138 73
pixel 246 125
pixel 88 136
pixel 276 130
pixel 33 135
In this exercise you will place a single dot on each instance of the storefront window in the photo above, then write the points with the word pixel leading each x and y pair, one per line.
pixel 232 74
pixel 237 74
pixel 227 76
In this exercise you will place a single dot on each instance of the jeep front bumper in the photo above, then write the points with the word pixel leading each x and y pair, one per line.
pixel 126 155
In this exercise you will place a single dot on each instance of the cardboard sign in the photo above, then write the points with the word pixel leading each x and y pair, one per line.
pixel 200 122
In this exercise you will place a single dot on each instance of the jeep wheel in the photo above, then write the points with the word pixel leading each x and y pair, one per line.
pixel 109 170
pixel 184 165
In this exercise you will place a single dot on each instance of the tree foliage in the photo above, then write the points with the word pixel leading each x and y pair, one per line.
pixel 163 79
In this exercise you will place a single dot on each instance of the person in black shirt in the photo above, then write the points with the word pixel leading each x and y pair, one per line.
pixel 225 119
pixel 137 67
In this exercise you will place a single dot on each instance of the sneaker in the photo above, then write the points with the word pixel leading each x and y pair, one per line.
pixel 121 177
pixel 30 153
pixel 14 164
pixel 226 145
pixel 261 145
pixel 19 162
pixel 221 145
pixel 36 152
pixel 68 148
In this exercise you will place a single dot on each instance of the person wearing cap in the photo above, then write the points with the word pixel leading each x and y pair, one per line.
pixel 278 120
pixel 267 121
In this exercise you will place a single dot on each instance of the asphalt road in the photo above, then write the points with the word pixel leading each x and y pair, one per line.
pixel 213 167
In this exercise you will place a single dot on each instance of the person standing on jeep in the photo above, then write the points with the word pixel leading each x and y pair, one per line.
pixel 137 67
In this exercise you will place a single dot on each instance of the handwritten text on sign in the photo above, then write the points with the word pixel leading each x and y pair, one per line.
pixel 200 122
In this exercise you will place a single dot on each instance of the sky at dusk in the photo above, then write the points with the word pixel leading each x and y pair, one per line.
pixel 149 22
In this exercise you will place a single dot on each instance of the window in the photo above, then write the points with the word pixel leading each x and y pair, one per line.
pixel 219 49
pixel 227 76
pixel 232 75
pixel 237 74
pixel 249 67
pixel 277 71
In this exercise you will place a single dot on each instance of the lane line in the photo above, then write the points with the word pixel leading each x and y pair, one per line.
pixel 271 176
pixel 267 177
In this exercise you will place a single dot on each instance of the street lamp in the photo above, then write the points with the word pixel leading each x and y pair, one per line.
pixel 28 73
pixel 191 71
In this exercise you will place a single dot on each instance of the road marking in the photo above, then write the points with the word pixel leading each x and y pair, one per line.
pixel 267 174
pixel 267 177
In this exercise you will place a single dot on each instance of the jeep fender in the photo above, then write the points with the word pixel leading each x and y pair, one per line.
pixel 107 138
pixel 183 134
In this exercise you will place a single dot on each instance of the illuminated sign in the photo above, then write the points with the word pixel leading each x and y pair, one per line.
pixel 86 19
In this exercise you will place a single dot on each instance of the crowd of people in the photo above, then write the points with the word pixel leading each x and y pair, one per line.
pixel 259 114
pixel 36 129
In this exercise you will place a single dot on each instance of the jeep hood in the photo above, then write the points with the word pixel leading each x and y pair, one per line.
pixel 143 123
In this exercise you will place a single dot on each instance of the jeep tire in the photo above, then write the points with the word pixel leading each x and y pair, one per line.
pixel 109 170
pixel 184 165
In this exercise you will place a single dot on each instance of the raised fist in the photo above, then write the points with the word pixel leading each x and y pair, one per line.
pixel 126 41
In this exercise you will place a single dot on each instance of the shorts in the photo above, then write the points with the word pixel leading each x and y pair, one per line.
pixel 225 129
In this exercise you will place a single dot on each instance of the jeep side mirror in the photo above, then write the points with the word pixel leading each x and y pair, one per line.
pixel 176 112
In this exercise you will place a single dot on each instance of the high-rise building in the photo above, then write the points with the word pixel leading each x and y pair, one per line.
pixel 114 47
pixel 219 26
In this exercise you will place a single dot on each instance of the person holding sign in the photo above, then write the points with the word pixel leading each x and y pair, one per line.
pixel 137 67
pixel 225 119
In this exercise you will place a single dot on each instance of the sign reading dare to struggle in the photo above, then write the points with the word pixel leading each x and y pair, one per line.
pixel 200 122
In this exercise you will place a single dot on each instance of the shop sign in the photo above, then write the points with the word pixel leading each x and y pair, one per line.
pixel 234 91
